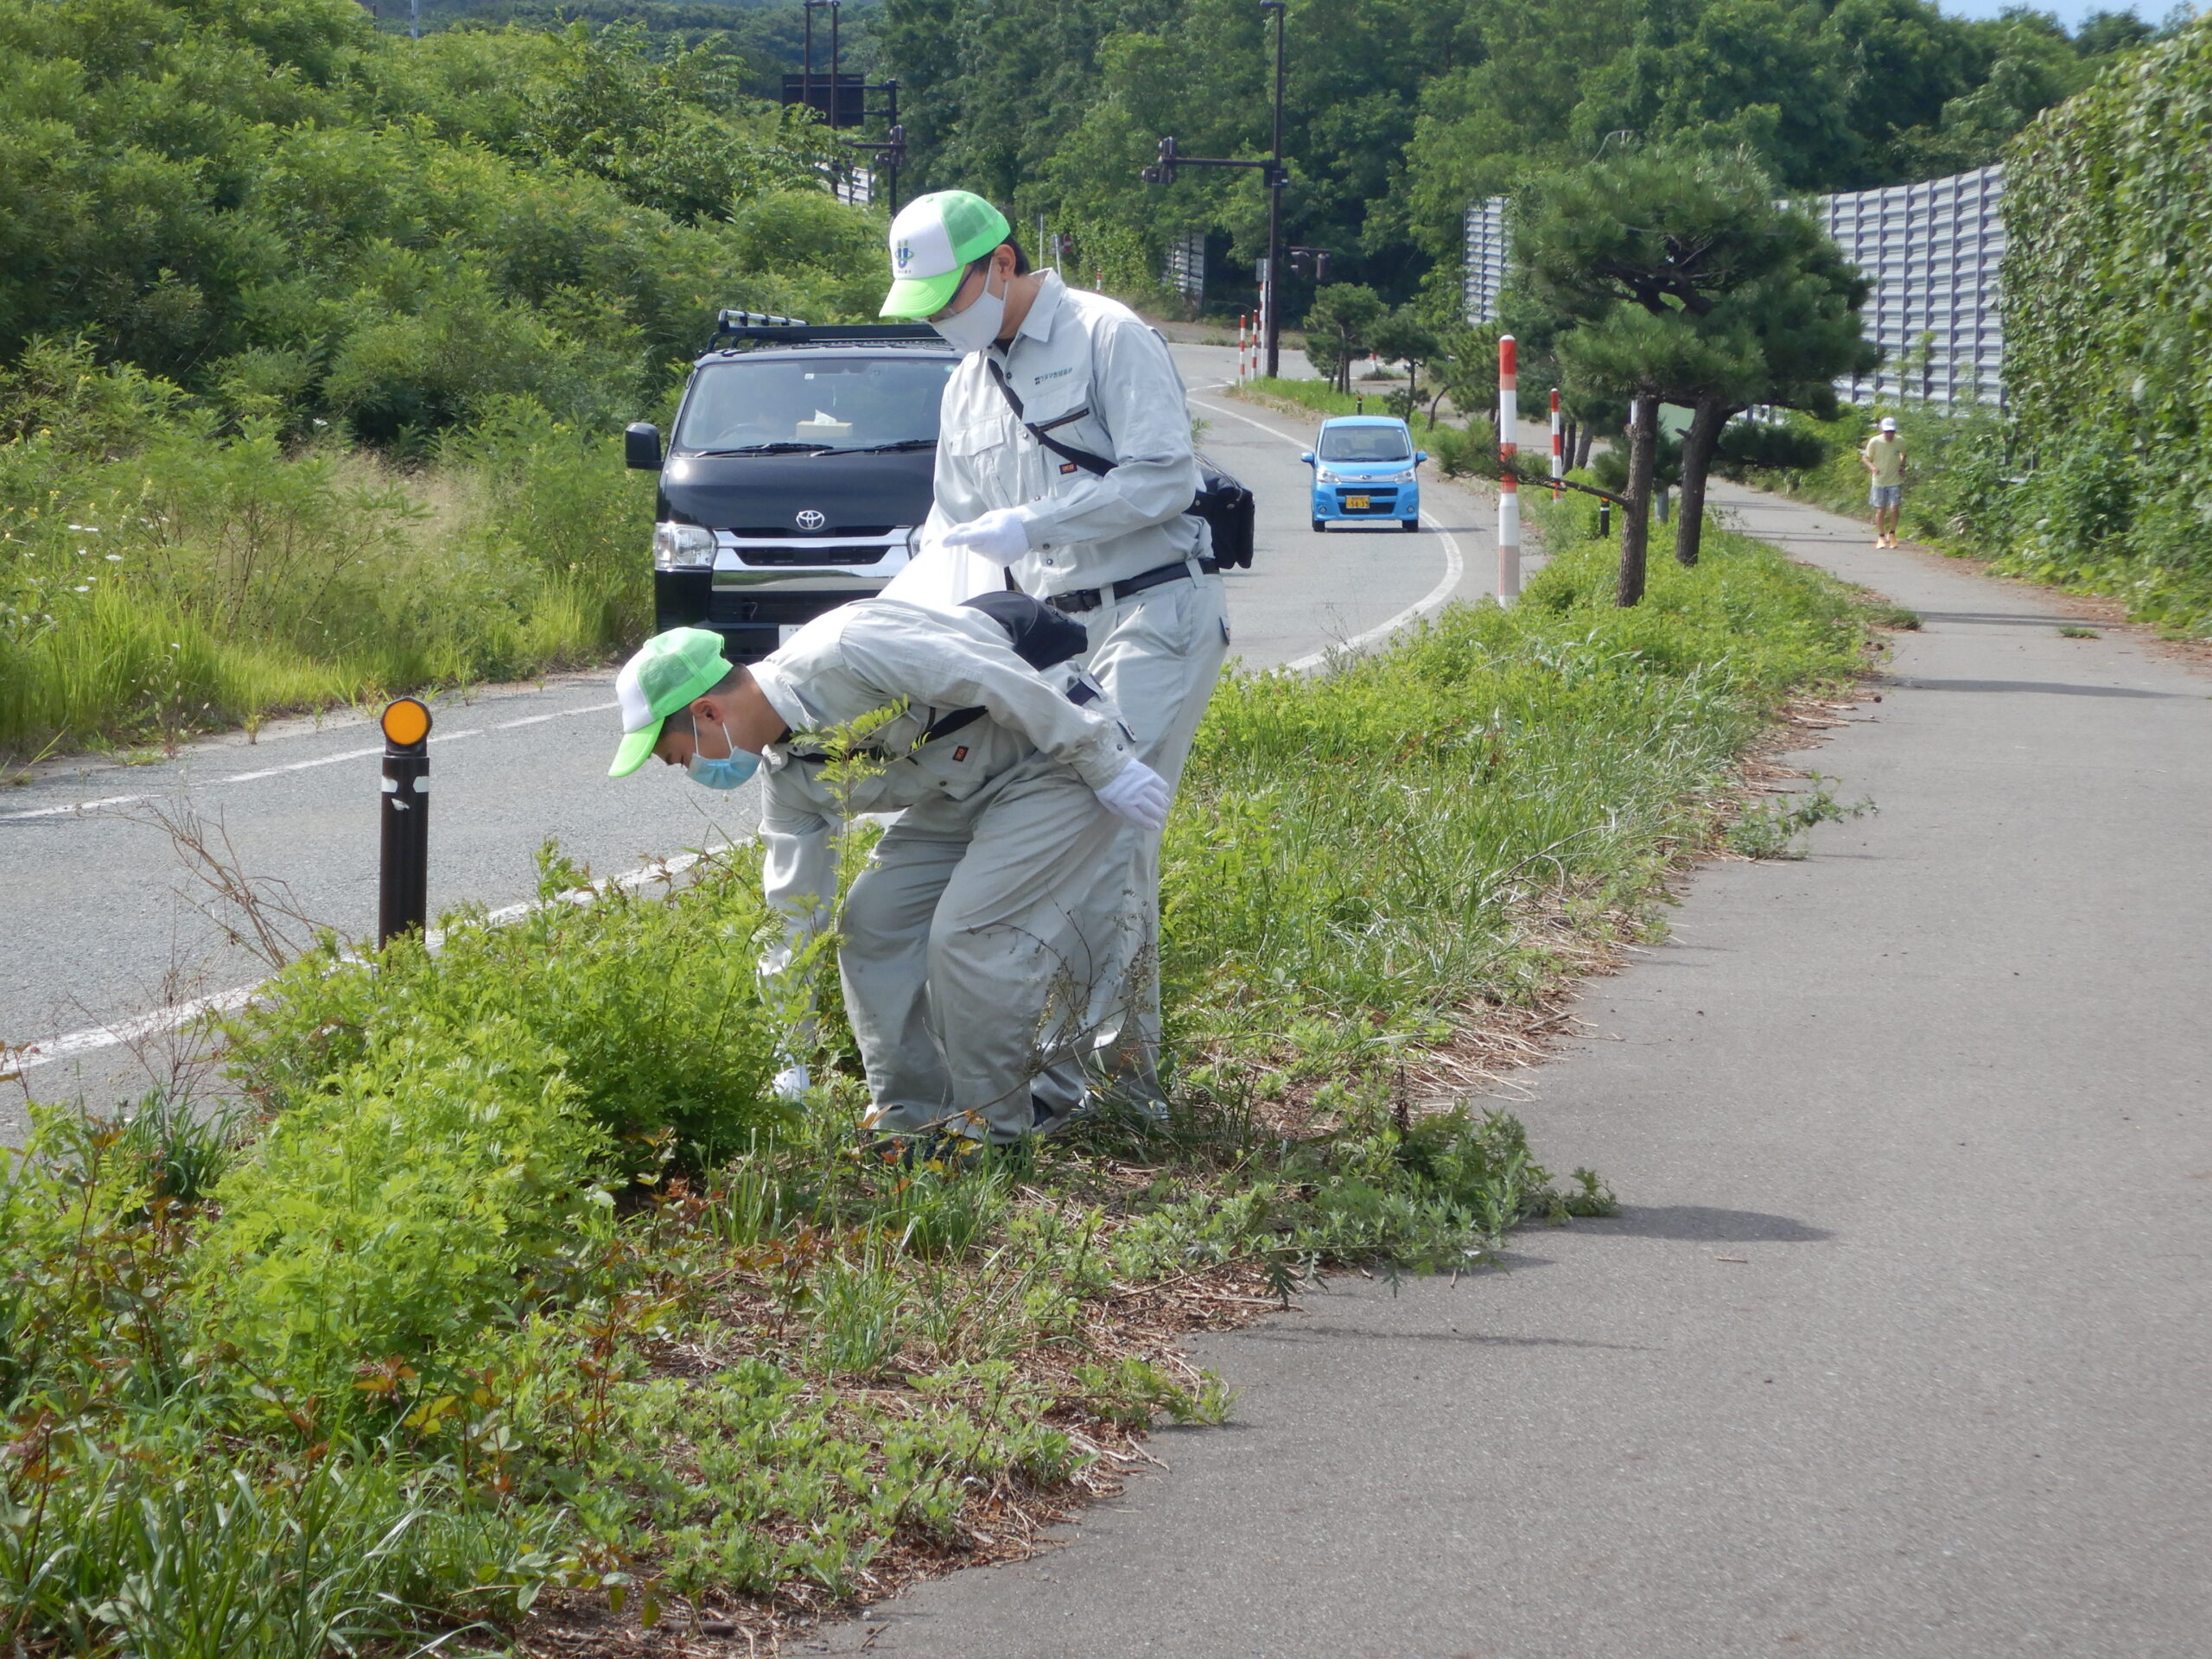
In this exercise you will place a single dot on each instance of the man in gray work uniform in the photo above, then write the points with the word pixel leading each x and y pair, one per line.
pixel 986 938
pixel 1050 371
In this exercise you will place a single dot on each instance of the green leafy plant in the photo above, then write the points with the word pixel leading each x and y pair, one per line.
pixel 1778 830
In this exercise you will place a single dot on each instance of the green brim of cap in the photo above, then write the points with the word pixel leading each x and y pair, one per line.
pixel 914 297
pixel 637 749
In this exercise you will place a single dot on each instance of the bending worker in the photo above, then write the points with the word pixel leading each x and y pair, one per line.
pixel 989 932
pixel 1065 454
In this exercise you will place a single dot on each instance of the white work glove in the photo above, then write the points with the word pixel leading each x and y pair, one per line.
pixel 791 1084
pixel 1000 534
pixel 1137 795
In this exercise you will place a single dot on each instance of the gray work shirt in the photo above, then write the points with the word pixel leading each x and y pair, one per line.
pixel 863 656
pixel 1076 352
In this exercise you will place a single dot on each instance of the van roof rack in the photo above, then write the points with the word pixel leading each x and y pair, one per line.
pixel 736 328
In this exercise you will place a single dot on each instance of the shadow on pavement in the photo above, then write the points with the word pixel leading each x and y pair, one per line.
pixel 1698 1221
pixel 2054 687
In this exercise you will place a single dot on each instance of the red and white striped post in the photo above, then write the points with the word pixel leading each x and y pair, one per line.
pixel 1509 484
pixel 1558 433
pixel 1243 318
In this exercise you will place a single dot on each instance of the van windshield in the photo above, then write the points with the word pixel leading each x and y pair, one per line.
pixel 1365 443
pixel 841 403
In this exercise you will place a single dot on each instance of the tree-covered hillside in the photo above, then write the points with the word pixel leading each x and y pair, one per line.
pixel 287 213
pixel 1399 111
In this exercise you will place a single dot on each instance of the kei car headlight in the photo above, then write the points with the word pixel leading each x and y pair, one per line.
pixel 1406 477
pixel 682 547
pixel 1323 475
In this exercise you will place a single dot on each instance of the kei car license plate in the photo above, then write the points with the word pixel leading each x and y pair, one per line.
pixel 1356 503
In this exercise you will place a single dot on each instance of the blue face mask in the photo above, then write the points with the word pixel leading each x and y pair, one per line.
pixel 733 769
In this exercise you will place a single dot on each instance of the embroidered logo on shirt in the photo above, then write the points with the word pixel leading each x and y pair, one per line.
pixel 1040 380
pixel 1067 465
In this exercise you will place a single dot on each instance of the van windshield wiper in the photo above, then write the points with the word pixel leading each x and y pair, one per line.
pixel 769 449
pixel 886 448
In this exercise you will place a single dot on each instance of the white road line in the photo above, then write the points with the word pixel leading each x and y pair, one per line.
pixel 75 1043
pixel 534 720
pixel 1455 568
pixel 299 765
pixel 174 1018
pixel 304 765
pixel 74 806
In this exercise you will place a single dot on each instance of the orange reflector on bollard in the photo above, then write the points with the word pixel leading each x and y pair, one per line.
pixel 406 722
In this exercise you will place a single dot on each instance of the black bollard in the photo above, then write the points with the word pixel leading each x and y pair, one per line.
pixel 1605 520
pixel 404 876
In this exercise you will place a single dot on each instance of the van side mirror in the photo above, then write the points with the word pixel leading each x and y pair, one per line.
pixel 1419 455
pixel 1307 457
pixel 641 447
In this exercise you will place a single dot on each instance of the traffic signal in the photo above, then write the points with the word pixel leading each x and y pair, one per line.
pixel 1164 171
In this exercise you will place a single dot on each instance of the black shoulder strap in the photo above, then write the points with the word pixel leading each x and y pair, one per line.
pixel 1097 465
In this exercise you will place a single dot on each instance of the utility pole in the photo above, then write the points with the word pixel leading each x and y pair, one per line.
pixel 1273 175
pixel 1276 179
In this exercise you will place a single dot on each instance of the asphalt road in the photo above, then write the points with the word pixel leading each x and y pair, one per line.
pixel 1903 1343
pixel 100 923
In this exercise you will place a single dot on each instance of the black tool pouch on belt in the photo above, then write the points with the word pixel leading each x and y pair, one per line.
pixel 1040 636
pixel 1226 505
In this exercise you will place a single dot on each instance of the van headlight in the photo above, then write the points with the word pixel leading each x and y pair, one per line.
pixel 1406 477
pixel 682 547
pixel 1323 475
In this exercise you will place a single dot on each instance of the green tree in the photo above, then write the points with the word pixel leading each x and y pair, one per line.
pixel 1635 256
pixel 1339 329
pixel 1405 334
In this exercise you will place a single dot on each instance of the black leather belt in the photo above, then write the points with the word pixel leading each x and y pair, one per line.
pixel 1089 598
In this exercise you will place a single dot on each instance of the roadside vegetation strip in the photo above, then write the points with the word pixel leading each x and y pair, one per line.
pixel 520 1296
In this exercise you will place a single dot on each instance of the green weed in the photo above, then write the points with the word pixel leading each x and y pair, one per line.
pixel 2075 631
pixel 1778 830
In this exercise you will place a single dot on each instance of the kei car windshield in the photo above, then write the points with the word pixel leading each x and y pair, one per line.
pixel 839 403
pixel 1365 443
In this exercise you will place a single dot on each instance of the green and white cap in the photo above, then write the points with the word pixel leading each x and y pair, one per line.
pixel 670 670
pixel 933 240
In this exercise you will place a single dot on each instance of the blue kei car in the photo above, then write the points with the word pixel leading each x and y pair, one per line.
pixel 1364 468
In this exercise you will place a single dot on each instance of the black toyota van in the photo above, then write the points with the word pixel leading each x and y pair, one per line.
pixel 797 475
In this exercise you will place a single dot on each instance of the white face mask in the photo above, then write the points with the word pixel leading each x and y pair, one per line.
pixel 978 325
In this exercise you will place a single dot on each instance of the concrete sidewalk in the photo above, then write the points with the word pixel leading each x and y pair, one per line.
pixel 1903 1345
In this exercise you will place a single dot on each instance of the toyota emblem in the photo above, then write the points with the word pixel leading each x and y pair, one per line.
pixel 812 520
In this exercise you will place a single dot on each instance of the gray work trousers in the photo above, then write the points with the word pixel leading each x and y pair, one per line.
pixel 985 944
pixel 1157 654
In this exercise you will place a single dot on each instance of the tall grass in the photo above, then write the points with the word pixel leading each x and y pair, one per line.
pixel 166 575
pixel 522 1280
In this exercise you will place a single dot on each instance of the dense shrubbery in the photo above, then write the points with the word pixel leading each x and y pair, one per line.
pixel 2107 326
pixel 293 216
pixel 238 241
pixel 484 1303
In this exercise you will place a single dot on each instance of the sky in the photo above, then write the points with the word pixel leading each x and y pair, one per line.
pixel 2068 12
